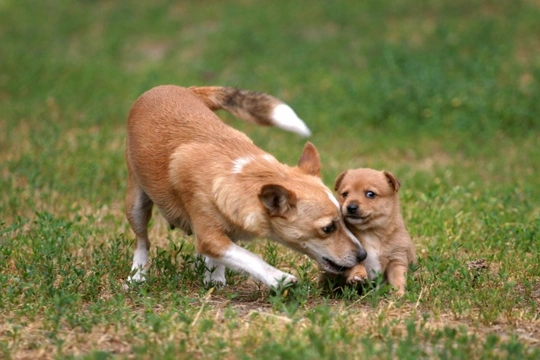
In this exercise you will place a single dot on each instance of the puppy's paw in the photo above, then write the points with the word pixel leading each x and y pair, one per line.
pixel 358 274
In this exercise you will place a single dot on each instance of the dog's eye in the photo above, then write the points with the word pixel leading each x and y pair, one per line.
pixel 344 194
pixel 330 228
pixel 371 195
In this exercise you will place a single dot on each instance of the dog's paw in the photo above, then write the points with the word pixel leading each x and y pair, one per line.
pixel 215 282
pixel 133 281
pixel 283 284
pixel 289 279
pixel 357 275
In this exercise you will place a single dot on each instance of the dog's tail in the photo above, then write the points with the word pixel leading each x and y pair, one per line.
pixel 255 107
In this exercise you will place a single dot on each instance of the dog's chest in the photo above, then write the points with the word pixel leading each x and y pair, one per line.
pixel 372 262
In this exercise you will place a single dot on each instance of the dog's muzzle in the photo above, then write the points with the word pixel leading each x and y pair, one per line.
pixel 332 266
pixel 361 255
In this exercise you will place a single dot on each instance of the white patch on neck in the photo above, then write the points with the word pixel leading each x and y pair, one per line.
pixel 269 158
pixel 239 163
pixel 284 117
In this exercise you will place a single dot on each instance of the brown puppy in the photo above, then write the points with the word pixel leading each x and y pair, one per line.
pixel 211 180
pixel 370 206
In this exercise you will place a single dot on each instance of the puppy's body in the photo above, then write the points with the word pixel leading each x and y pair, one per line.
pixel 370 206
pixel 211 180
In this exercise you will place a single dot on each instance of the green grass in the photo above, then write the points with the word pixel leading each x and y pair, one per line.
pixel 443 94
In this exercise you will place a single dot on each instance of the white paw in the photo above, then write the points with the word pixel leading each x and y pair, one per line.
pixel 289 279
pixel 282 279
pixel 132 281
pixel 214 279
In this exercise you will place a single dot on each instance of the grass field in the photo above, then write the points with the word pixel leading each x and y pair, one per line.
pixel 445 94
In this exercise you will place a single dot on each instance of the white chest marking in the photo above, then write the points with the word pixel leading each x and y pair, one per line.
pixel 372 263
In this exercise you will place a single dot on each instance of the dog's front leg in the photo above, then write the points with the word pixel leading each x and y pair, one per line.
pixel 238 258
pixel 214 272
pixel 220 249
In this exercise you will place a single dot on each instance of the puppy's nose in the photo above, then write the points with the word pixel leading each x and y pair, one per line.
pixel 352 208
pixel 361 255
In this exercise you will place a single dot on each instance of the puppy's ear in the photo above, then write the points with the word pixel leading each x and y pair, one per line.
pixel 392 180
pixel 277 200
pixel 310 162
pixel 339 179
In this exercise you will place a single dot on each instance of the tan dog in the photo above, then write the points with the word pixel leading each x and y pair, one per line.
pixel 370 206
pixel 211 180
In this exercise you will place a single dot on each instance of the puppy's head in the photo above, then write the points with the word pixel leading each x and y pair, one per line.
pixel 304 215
pixel 368 198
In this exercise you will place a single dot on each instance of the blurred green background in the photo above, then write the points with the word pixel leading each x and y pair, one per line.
pixel 444 94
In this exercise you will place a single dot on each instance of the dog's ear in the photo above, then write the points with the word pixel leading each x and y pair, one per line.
pixel 339 179
pixel 392 180
pixel 277 200
pixel 310 162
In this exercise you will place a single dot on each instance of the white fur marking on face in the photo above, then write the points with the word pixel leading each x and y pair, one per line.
pixel 351 235
pixel 239 163
pixel 333 198
pixel 284 117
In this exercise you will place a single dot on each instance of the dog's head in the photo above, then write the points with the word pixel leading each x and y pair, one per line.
pixel 304 215
pixel 368 198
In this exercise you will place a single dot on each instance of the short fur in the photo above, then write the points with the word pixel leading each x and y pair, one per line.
pixel 211 180
pixel 370 206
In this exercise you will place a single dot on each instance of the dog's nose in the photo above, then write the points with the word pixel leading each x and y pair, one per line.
pixel 361 255
pixel 352 208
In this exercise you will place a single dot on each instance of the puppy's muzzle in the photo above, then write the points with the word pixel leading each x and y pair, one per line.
pixel 352 208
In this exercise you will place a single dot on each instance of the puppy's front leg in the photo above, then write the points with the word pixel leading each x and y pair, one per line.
pixel 357 274
pixel 395 273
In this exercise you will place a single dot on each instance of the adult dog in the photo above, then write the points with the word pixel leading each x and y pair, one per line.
pixel 211 180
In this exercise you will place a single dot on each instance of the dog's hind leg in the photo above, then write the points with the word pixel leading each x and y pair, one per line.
pixel 139 212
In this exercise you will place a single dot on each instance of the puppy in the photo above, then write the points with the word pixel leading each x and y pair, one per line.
pixel 370 205
pixel 211 181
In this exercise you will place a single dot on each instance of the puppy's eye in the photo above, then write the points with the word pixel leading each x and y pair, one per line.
pixel 330 228
pixel 344 194
pixel 371 195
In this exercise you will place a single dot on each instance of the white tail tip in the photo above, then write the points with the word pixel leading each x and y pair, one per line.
pixel 284 117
